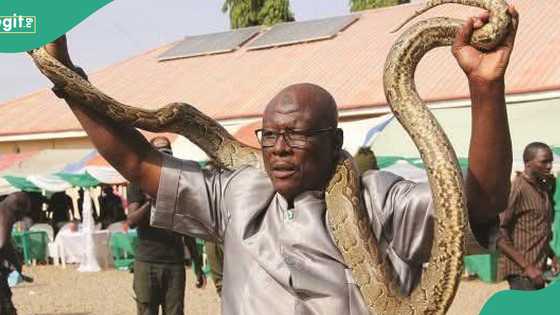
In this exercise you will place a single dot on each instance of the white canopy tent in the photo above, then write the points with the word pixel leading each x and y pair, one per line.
pixel 529 121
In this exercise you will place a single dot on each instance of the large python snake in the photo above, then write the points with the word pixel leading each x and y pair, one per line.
pixel 347 218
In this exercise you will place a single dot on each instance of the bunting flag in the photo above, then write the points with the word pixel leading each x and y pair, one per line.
pixel 376 130
pixel 59 170
pixel 47 170
pixel 55 170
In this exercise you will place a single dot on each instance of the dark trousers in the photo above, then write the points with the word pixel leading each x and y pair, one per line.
pixel 158 284
pixel 215 259
pixel 517 282
pixel 6 305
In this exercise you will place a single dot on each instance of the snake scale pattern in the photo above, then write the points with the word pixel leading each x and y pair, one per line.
pixel 347 218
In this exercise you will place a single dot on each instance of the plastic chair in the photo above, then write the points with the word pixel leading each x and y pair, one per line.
pixel 123 247
pixel 47 228
pixel 52 248
pixel 64 226
pixel 116 227
pixel 33 244
pixel 484 266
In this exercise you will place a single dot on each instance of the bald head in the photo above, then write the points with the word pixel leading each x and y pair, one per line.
pixel 311 100
pixel 301 111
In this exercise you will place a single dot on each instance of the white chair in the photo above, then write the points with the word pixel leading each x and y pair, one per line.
pixel 58 246
pixel 64 226
pixel 52 248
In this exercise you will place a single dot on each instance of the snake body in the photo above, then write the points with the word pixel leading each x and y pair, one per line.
pixel 346 215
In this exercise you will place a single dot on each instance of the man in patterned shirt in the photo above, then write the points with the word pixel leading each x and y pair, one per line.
pixel 525 225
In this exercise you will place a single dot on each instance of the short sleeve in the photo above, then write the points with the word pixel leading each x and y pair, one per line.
pixel 402 217
pixel 189 200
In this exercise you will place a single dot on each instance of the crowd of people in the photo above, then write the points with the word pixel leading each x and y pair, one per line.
pixel 58 209
pixel 161 256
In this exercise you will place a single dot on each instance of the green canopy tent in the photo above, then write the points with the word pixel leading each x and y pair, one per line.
pixel 22 184
pixel 84 180
pixel 38 171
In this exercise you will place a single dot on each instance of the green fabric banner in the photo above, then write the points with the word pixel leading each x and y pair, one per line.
pixel 21 183
pixel 79 180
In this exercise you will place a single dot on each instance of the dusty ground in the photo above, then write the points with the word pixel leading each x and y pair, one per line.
pixel 58 291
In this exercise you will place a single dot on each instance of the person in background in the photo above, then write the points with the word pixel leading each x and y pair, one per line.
pixel 215 260
pixel 159 266
pixel 365 160
pixel 525 225
pixel 13 208
pixel 37 201
pixel 193 259
pixel 111 207
pixel 214 253
pixel 60 209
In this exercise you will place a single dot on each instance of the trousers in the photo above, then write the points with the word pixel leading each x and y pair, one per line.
pixel 159 284
pixel 517 282
pixel 6 305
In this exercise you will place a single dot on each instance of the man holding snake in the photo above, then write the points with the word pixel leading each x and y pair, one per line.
pixel 280 257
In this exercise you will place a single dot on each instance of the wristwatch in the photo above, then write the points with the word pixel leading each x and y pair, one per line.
pixel 59 91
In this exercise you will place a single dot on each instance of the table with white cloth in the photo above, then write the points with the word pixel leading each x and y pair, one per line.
pixel 72 245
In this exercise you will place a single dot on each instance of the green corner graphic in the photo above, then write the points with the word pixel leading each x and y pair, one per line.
pixel 28 24
pixel 512 302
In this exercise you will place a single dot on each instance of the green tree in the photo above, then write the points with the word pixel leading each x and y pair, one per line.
pixel 359 5
pixel 245 13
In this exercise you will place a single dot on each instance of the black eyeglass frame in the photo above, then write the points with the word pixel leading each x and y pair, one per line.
pixel 307 133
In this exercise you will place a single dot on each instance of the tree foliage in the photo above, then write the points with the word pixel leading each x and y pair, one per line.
pixel 359 5
pixel 245 13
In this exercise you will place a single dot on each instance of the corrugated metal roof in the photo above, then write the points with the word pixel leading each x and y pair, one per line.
pixel 299 32
pixel 350 66
pixel 207 44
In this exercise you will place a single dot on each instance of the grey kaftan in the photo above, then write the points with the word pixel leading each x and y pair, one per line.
pixel 284 261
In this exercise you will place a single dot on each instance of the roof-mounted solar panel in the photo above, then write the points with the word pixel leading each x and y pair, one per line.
pixel 216 43
pixel 298 32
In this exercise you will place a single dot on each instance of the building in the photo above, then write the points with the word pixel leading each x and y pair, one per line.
pixel 234 86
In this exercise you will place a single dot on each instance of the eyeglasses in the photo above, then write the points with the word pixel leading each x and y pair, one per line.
pixel 294 138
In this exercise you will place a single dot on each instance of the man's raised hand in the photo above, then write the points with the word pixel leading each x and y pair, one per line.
pixel 484 66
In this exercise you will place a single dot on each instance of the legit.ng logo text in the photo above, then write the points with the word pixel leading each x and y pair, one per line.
pixel 18 24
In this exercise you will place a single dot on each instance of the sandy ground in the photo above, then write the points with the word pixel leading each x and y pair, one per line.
pixel 58 291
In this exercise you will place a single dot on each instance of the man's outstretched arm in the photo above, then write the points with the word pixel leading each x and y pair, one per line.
pixel 490 157
pixel 123 147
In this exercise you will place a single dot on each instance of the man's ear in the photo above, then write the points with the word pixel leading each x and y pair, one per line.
pixel 338 141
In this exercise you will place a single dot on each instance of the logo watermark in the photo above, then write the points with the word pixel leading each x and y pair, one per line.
pixel 18 24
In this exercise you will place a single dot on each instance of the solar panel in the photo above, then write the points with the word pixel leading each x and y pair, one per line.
pixel 297 32
pixel 208 44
